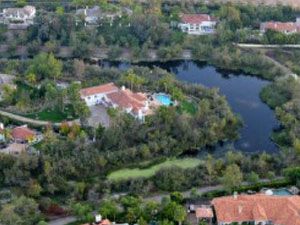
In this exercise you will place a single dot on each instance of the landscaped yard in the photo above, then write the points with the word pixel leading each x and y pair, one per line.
pixel 149 172
pixel 53 115
pixel 188 106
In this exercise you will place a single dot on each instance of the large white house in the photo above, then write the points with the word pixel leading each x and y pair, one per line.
pixel 198 24
pixel 97 94
pixel 111 96
pixel 18 16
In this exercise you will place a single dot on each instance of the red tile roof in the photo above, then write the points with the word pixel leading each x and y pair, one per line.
pixel 204 212
pixel 196 18
pixel 105 222
pixel 284 210
pixel 289 27
pixel 101 89
pixel 22 133
pixel 127 99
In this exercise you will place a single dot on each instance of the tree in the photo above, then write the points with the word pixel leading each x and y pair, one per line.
pixel 8 93
pixel 31 78
pixel 109 209
pixel 166 82
pixel 179 214
pixel 292 174
pixel 253 178
pixel 176 197
pixel 45 66
pixel 79 68
pixel 79 106
pixel 232 177
pixel 131 79
pixel 22 211
pixel 83 212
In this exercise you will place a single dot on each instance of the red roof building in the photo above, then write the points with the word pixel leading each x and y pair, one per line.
pixel 129 101
pixel 197 18
pixel 100 89
pixel 287 28
pixel 23 134
pixel 204 213
pixel 198 24
pixel 279 210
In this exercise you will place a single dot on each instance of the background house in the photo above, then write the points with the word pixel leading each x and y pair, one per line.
pixel 283 27
pixel 197 24
pixel 18 17
pixel 92 16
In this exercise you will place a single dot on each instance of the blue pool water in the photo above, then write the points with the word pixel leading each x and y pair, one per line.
pixel 163 99
pixel 281 192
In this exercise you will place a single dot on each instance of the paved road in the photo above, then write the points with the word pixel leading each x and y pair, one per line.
pixel 62 221
pixel 266 46
pixel 202 190
pixel 158 198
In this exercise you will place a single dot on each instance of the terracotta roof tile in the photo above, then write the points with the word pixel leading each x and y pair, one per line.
pixel 204 212
pixel 281 27
pixel 127 99
pixel 284 210
pixel 101 89
pixel 105 222
pixel 196 18
pixel 22 133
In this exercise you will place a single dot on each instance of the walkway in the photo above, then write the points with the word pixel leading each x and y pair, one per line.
pixel 27 120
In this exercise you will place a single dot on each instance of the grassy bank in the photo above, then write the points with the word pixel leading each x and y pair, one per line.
pixel 149 172
pixel 53 115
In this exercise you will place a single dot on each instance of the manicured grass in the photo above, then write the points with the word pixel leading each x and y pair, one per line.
pixel 187 106
pixel 124 174
pixel 53 115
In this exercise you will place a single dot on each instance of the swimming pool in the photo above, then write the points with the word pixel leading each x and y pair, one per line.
pixel 164 99
pixel 281 192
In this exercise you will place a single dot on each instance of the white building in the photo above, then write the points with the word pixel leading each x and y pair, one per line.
pixel 19 16
pixel 93 16
pixel 198 24
pixel 111 96
pixel 98 94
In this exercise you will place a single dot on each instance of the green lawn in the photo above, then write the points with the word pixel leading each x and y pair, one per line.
pixel 53 115
pixel 135 173
pixel 187 106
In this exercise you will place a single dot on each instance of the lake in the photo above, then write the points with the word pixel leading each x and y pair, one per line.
pixel 242 92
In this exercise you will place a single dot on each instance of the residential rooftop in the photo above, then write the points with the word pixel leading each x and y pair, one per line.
pixel 196 18
pixel 283 210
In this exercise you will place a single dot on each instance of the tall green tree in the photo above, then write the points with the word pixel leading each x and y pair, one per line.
pixel 232 177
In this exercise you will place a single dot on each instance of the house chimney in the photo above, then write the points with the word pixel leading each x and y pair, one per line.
pixel 123 88
pixel 98 218
pixel 240 209
pixel 85 10
pixel 1 126
pixel 235 195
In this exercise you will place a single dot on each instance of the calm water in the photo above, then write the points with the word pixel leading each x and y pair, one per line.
pixel 242 92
